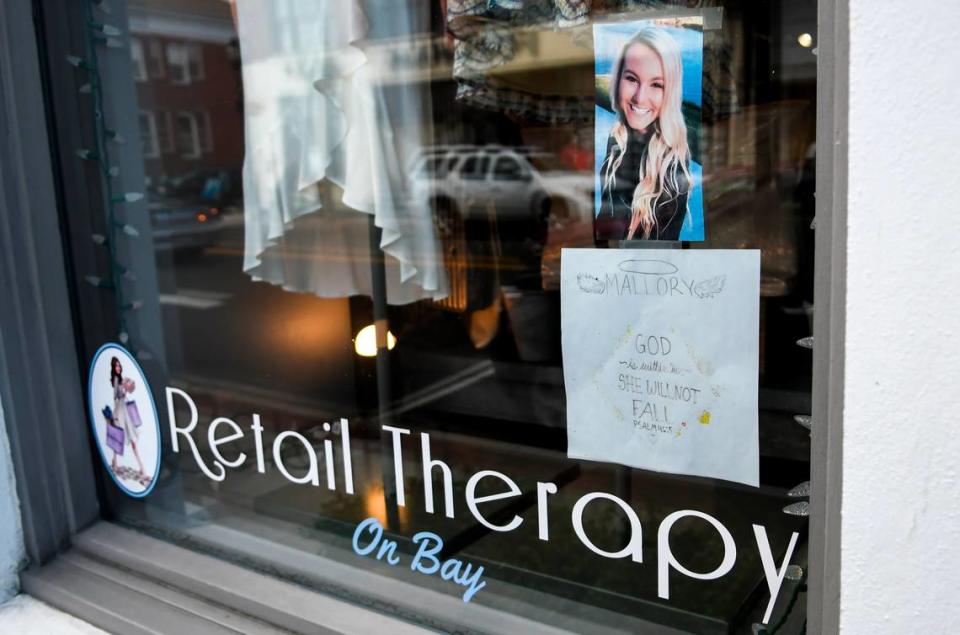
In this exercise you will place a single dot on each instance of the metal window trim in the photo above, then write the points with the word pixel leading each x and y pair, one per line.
pixel 830 276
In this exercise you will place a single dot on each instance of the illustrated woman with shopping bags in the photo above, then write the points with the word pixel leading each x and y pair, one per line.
pixel 124 420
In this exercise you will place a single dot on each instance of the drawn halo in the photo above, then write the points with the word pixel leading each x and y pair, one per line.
pixel 648 267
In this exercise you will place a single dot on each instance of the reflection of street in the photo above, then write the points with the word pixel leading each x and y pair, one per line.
pixel 192 227
pixel 194 298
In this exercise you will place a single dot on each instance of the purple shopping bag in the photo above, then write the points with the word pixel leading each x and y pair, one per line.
pixel 115 438
pixel 133 415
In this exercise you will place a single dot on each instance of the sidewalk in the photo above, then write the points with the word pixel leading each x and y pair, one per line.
pixel 23 615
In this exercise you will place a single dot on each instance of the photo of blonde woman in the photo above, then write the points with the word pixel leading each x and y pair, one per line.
pixel 647 178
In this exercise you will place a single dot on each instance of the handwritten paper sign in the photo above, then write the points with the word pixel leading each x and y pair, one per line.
pixel 660 359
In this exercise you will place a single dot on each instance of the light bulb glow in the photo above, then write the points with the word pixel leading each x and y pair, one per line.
pixel 805 40
pixel 365 344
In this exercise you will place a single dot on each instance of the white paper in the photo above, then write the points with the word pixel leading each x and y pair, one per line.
pixel 660 359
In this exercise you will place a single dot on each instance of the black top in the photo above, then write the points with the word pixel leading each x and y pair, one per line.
pixel 613 221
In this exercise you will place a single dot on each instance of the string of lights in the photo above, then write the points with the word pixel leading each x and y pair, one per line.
pixel 98 35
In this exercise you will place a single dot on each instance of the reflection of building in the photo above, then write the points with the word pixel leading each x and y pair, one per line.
pixel 187 71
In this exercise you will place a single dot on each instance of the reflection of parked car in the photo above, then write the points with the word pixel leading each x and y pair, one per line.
pixel 185 210
pixel 521 183
pixel 473 189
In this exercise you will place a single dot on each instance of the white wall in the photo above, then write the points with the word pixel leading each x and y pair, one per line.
pixel 901 432
pixel 11 534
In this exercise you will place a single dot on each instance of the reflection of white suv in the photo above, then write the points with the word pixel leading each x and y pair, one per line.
pixel 520 182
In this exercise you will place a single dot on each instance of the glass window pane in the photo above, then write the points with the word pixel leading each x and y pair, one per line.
pixel 349 250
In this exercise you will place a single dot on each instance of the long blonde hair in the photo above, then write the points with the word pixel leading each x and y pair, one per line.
pixel 666 165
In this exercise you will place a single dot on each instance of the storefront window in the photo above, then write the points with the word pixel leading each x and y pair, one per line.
pixel 335 227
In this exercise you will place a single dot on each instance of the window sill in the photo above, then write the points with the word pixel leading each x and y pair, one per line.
pixel 126 582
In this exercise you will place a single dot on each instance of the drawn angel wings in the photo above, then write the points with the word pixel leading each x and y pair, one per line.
pixel 711 287
pixel 590 284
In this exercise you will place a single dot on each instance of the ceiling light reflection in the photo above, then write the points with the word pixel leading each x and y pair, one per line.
pixel 366 341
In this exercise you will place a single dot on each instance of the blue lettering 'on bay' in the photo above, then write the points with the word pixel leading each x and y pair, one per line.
pixel 368 539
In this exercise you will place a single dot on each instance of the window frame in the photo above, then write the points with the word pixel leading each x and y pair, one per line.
pixel 155 53
pixel 205 130
pixel 522 173
pixel 480 169
pixel 151 151
pixel 830 291
pixel 47 191
pixel 139 60
pixel 165 133
pixel 191 64
pixel 196 143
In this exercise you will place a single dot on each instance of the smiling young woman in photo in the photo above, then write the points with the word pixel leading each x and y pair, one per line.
pixel 646 171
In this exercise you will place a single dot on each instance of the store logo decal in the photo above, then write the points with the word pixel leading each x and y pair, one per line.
pixel 124 418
